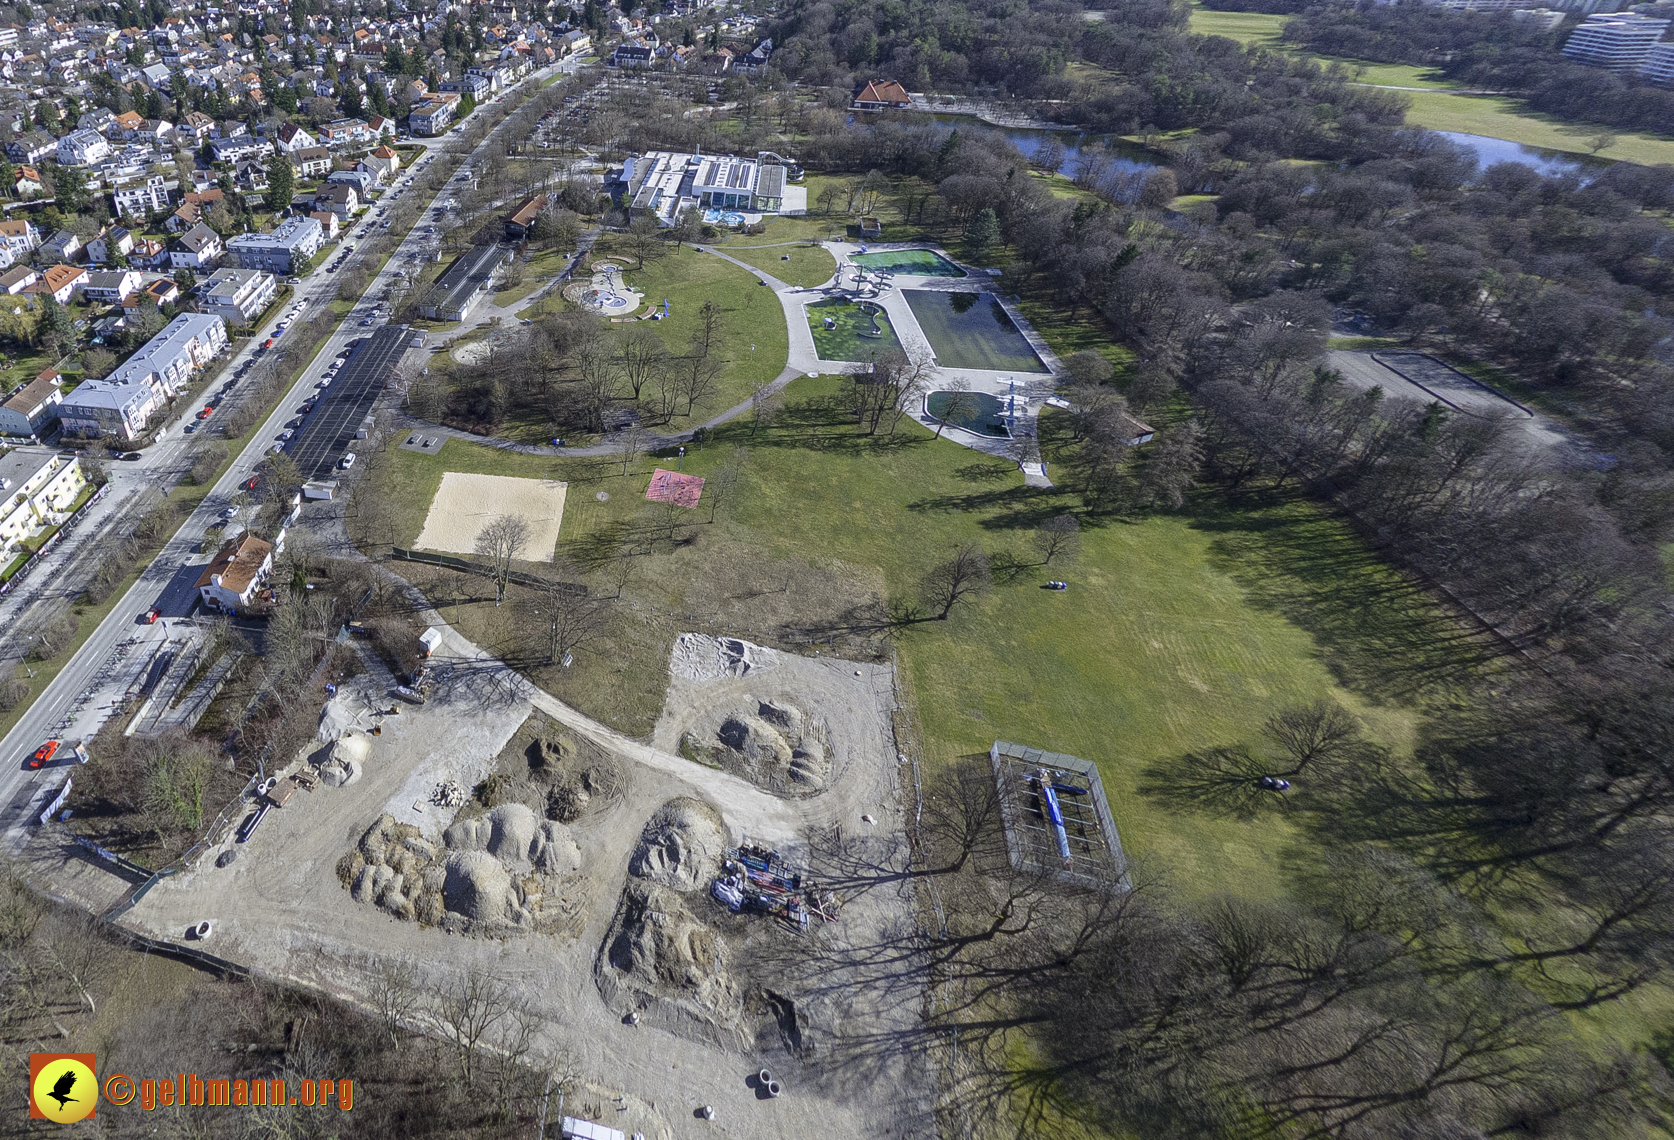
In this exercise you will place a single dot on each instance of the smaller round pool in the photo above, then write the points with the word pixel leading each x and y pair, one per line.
pixel 981 413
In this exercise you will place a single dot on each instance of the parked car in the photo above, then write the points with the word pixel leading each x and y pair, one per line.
pixel 250 483
pixel 286 434
pixel 44 753
pixel 151 615
pixel 347 461
pixel 130 456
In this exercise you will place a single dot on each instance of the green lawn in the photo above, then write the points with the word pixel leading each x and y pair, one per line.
pixel 808 265
pixel 1502 118
pixel 751 316
pixel 850 339
pixel 1178 632
pixel 1245 27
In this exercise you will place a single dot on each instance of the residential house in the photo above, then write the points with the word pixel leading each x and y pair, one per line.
pixel 149 253
pixel 156 131
pixel 109 287
pixel 18 235
pixel 292 138
pixel 433 116
pixel 340 198
pixel 160 292
pixel 199 248
pixel 113 243
pixel 238 296
pixel 235 578
pixel 27 182
pixel 880 93
pixel 32 407
pixel 242 146
pixel 520 221
pixel 363 181
pixel 381 127
pixel 630 53
pixel 39 487
pixel 140 199
pixel 61 246
pixel 284 251
pixel 123 126
pixel 329 222
pixel 32 147
pixel 250 175
pixel 312 162
pixel 195 125
pixel 16 279
pixel 82 148
pixel 345 132
pixel 59 282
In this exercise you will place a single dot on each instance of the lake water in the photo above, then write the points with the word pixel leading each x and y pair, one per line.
pixel 1488 151
pixel 1124 156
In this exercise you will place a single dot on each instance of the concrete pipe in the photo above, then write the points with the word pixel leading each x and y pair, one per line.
pixel 773 1088
pixel 203 929
pixel 764 1078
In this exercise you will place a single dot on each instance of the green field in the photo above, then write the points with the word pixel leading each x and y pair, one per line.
pixel 804 265
pixel 1245 27
pixel 858 336
pixel 914 262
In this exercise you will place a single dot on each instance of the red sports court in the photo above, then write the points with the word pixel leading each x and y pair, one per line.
pixel 674 487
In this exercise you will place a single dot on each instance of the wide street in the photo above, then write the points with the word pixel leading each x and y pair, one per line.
pixel 75 703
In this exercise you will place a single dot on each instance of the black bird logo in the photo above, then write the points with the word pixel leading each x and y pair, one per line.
pixel 62 1086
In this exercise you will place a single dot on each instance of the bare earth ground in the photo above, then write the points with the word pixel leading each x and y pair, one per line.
pixel 465 503
pixel 280 909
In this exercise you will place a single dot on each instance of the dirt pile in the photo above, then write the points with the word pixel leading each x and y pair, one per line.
pixel 681 846
pixel 772 743
pixel 572 781
pixel 660 957
pixel 492 872
pixel 342 764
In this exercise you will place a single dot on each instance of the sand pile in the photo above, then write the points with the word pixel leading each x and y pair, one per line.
pixel 343 763
pixel 493 871
pixel 771 743
pixel 573 781
pixel 699 657
pixel 681 846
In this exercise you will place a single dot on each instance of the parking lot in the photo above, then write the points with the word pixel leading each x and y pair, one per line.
pixel 328 432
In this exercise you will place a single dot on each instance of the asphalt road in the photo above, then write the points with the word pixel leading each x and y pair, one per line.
pixel 169 581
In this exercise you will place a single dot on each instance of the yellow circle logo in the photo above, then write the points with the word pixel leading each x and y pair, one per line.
pixel 65 1090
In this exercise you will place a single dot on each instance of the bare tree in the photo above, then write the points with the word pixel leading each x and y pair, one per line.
pixel 394 990
pixel 1059 536
pixel 467 1013
pixel 961 404
pixel 709 336
pixel 765 406
pixel 628 445
pixel 640 356
pixel 558 618
pixel 499 542
pixel 695 380
pixel 1321 732
pixel 961 578
pixel 719 486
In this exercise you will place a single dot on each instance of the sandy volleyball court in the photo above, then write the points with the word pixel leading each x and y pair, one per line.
pixel 464 504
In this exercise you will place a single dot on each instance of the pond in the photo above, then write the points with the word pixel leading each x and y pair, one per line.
pixel 913 262
pixel 971 330
pixel 850 330
pixel 1549 163
pixel 977 411
pixel 1123 155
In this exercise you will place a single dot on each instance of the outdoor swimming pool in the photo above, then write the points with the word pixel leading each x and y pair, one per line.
pixel 915 262
pixel 983 414
pixel 971 330
pixel 857 330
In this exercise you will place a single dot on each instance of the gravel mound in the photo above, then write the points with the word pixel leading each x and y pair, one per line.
pixel 478 887
pixel 699 657
pixel 342 765
pixel 681 845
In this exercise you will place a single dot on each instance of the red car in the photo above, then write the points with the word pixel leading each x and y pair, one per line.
pixel 44 753
pixel 152 614
pixel 250 483
pixel 206 413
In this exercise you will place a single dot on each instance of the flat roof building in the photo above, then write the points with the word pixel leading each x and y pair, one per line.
pixel 285 250
pixel 663 184
pixel 122 403
pixel 237 296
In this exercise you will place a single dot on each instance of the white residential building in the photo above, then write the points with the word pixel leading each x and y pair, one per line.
pixel 82 148
pixel 238 296
pixel 1618 41
pixel 285 250
pixel 1659 65
pixel 142 198
pixel 38 486
pixel 122 403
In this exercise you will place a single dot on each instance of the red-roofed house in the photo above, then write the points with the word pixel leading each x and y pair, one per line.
pixel 879 94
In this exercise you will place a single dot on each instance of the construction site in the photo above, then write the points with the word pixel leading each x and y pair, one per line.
pixel 673 912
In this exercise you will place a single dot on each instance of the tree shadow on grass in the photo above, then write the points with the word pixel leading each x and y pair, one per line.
pixel 1382 634
pixel 1219 782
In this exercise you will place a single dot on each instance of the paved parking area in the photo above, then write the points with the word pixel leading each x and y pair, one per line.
pixel 329 430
